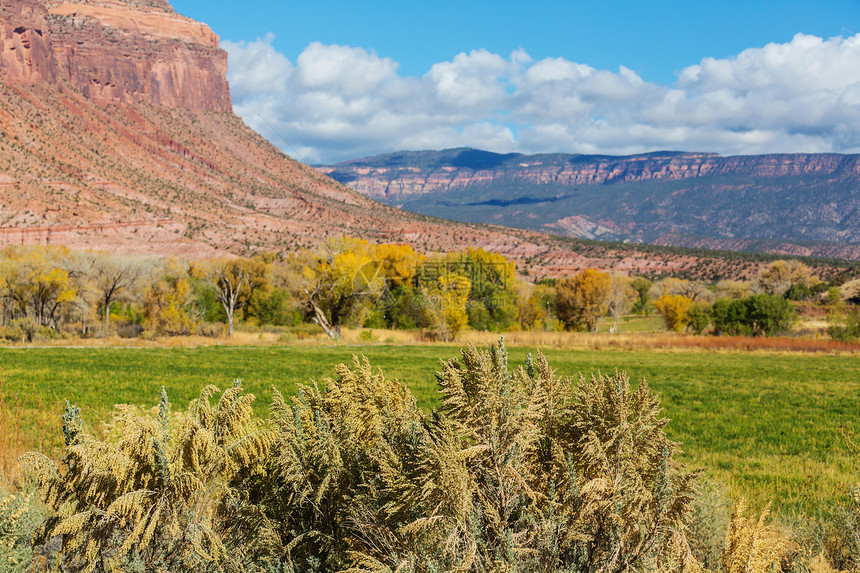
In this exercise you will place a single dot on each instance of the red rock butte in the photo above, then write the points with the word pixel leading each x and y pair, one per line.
pixel 114 51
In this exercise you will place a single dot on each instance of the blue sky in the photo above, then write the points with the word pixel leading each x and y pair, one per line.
pixel 612 55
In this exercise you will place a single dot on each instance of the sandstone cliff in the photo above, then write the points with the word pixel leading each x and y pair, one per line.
pixel 25 49
pixel 114 51
pixel 803 204
pixel 406 175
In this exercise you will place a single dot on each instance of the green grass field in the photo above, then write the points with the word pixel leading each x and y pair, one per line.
pixel 767 425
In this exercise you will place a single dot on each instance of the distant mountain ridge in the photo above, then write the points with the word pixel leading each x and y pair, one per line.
pixel 805 204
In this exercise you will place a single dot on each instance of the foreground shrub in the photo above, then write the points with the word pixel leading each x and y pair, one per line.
pixel 166 494
pixel 712 511
pixel 19 516
pixel 520 471
pixel 753 545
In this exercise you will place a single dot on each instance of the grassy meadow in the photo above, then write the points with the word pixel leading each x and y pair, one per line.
pixel 767 424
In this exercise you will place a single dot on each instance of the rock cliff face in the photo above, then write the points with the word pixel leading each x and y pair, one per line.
pixel 788 204
pixel 134 52
pixel 25 49
pixel 403 176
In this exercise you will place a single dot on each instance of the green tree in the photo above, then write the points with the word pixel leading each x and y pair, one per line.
pixel 769 314
pixel 757 315
pixel 730 317
pixel 798 292
pixel 699 317
pixel 834 296
pixel 641 286
pixel 844 326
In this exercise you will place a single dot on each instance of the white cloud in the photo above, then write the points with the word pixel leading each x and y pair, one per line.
pixel 256 68
pixel 340 102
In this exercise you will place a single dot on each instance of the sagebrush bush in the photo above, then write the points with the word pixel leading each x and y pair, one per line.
pixel 521 470
pixel 20 514
pixel 160 496
pixel 712 511
pixel 752 544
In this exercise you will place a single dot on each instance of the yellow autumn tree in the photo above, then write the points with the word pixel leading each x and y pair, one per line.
pixel 335 281
pixel 493 297
pixel 167 302
pixel 38 285
pixel 396 264
pixel 582 298
pixel 674 309
pixel 446 302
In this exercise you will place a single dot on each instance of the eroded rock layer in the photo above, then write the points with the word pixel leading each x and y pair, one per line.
pixel 134 52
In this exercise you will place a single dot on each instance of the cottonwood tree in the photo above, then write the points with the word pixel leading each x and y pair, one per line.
pixel 233 280
pixel 446 302
pixel 621 297
pixel 335 281
pixel 641 285
pixel 779 276
pixel 113 279
pixel 582 298
pixel 674 308
pixel 695 291
pixel 493 294
pixel 168 301
pixel 38 284
pixel 733 289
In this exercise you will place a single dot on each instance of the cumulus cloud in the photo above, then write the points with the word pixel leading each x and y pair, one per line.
pixel 340 102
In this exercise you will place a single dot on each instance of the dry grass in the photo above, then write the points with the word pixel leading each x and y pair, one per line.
pixel 12 441
pixel 533 339
pixel 664 341
pixel 637 333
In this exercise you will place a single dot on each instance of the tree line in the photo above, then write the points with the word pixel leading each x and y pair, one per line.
pixel 762 306
pixel 46 292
